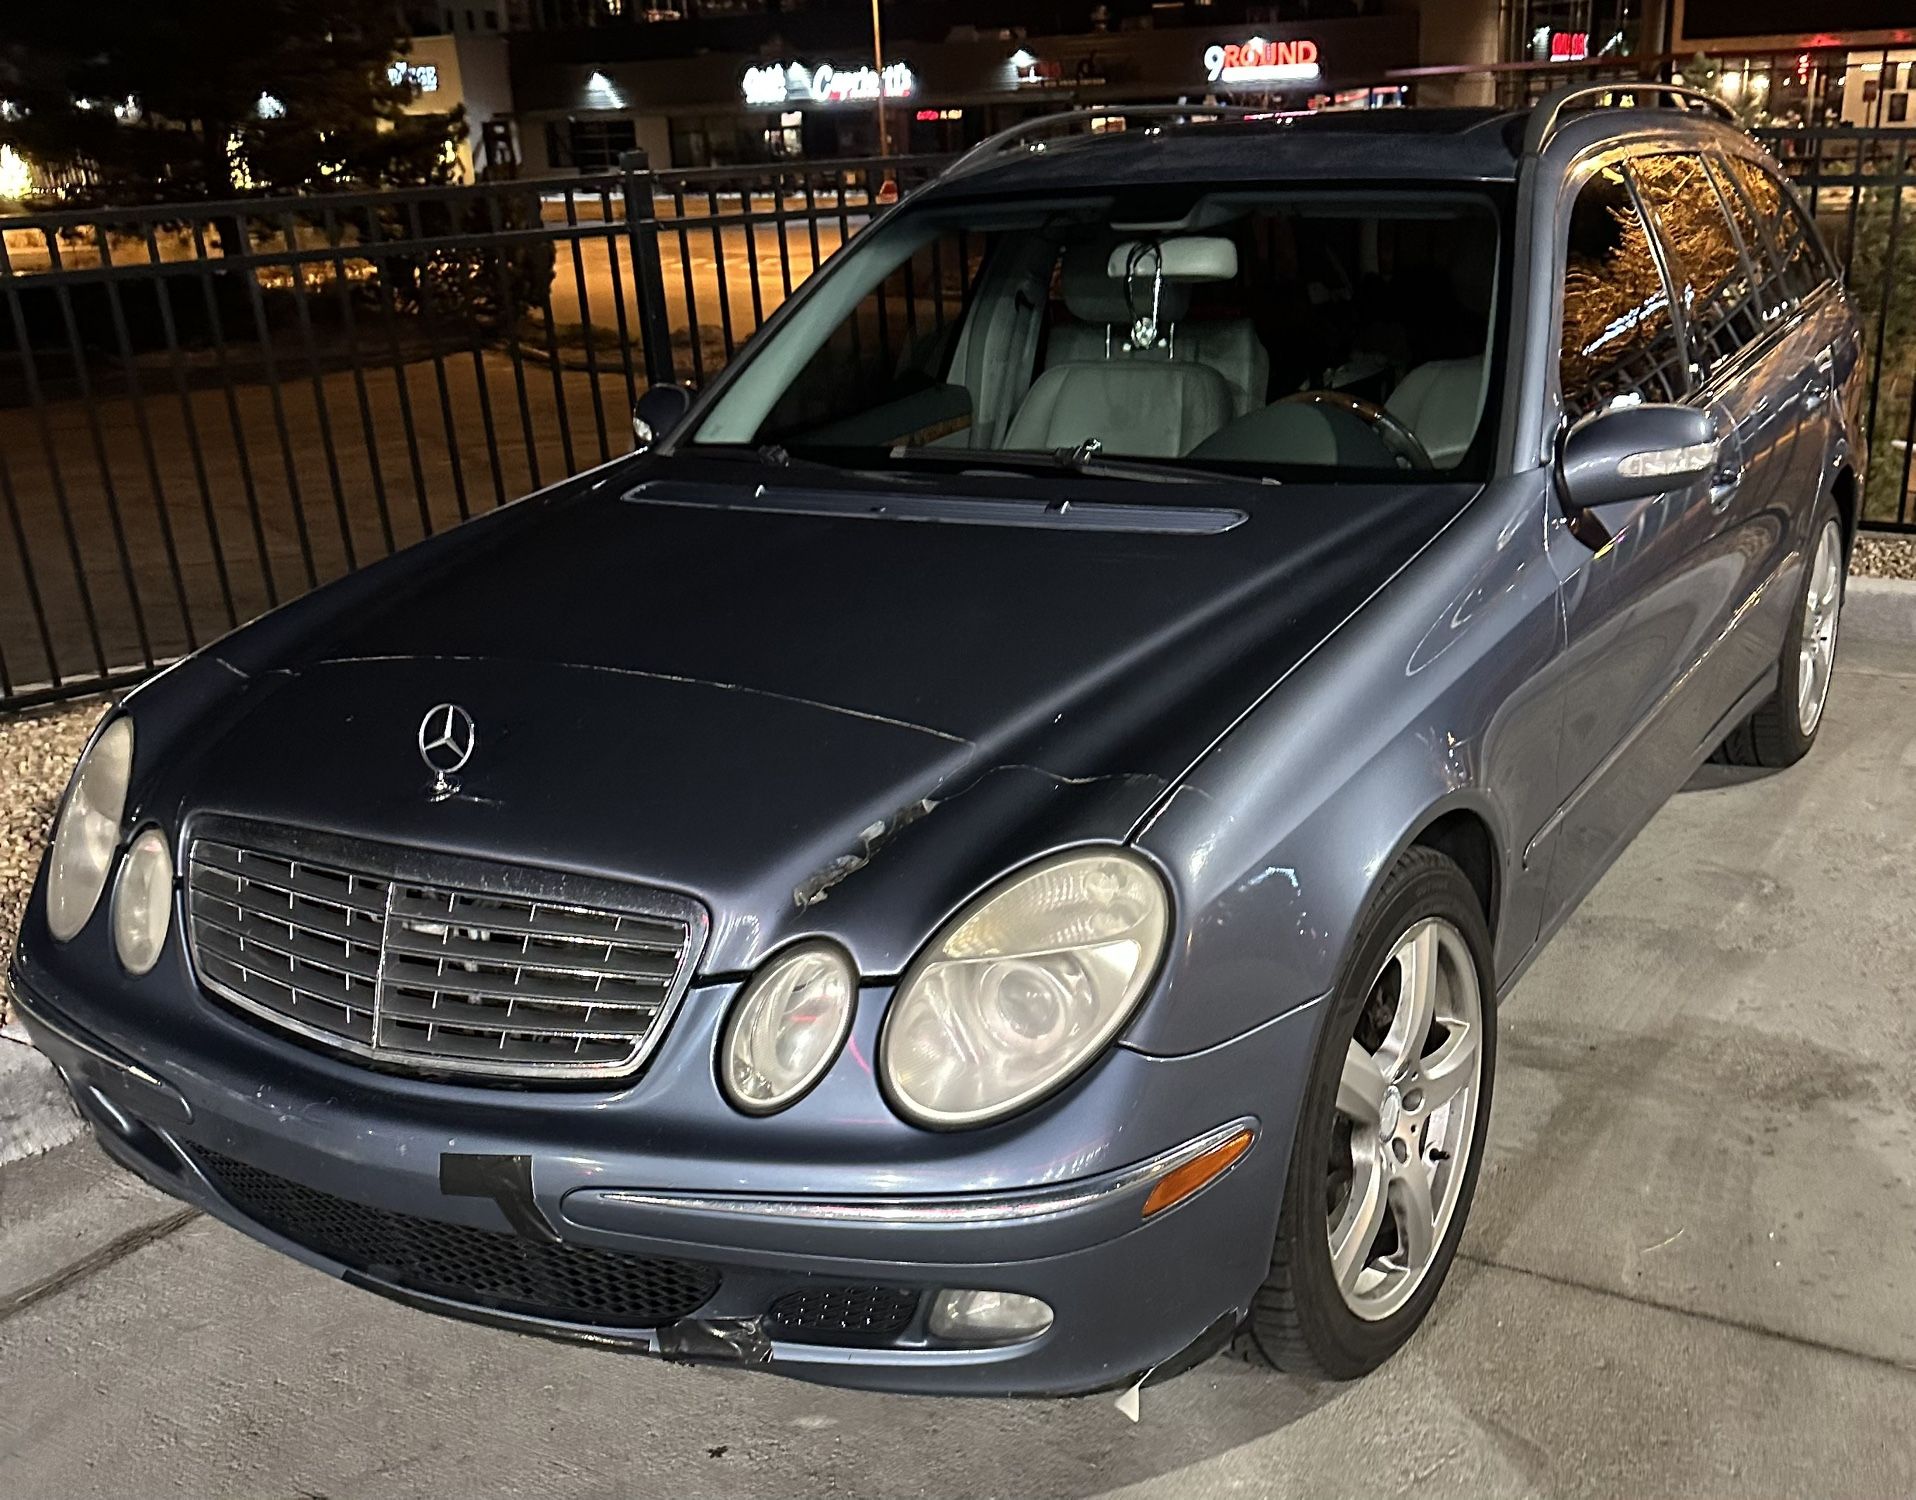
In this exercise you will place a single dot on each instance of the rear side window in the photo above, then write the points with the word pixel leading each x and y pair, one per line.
pixel 1618 334
pixel 1802 268
pixel 1719 283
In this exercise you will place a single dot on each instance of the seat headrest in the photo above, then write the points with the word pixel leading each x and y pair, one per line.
pixel 1094 295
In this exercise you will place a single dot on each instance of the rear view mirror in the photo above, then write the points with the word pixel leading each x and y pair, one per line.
pixel 658 411
pixel 1636 453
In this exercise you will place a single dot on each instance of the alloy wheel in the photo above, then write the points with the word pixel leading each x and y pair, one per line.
pixel 1406 1119
pixel 1822 602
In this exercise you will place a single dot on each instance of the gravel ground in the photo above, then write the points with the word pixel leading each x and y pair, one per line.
pixel 1885 557
pixel 36 754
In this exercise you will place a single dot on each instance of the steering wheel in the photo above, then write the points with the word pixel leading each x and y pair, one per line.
pixel 1404 446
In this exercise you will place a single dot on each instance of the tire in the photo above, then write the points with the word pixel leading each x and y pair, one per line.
pixel 1424 917
pixel 1781 732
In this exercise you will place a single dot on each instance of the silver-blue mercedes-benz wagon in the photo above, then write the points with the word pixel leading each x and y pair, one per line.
pixel 984 859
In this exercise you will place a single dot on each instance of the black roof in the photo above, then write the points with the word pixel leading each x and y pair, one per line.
pixel 1456 145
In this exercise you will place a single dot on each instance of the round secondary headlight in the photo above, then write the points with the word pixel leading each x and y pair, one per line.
pixel 787 1028
pixel 1024 988
pixel 143 902
pixel 88 830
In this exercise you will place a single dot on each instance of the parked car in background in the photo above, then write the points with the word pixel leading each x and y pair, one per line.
pixel 987 859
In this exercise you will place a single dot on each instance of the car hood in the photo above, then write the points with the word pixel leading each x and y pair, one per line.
pixel 748 705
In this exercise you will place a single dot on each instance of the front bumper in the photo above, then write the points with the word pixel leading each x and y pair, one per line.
pixel 1128 1295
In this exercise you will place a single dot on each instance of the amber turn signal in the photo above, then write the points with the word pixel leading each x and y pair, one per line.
pixel 1176 1186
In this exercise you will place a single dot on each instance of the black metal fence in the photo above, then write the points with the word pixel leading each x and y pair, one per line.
pixel 207 410
pixel 1856 183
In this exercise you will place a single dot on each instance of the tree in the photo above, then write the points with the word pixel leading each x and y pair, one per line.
pixel 182 99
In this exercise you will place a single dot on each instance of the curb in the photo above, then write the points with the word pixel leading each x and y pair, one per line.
pixel 35 1113
pixel 1880 609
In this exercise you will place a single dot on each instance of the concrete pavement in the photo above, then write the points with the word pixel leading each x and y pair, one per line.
pixel 1688 1271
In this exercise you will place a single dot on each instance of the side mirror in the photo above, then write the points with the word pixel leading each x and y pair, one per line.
pixel 1635 453
pixel 658 411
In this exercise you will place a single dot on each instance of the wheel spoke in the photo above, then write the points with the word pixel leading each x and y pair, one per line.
pixel 1360 1088
pixel 1416 960
pixel 1356 1230
pixel 1452 1067
pixel 1416 1218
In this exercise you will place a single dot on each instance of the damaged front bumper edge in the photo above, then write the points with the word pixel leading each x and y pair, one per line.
pixel 1135 1297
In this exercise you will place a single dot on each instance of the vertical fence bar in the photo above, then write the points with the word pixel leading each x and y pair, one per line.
pixel 249 268
pixel 1889 293
pixel 289 234
pixel 429 317
pixel 648 273
pixel 611 241
pixel 784 243
pixel 216 324
pixel 481 377
pixel 35 603
pixel 189 424
pixel 694 327
pixel 720 273
pixel 109 492
pixel 382 262
pixel 332 229
pixel 557 367
pixel 136 398
pixel 513 315
pixel 585 321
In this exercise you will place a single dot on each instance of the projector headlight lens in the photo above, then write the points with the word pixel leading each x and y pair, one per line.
pixel 1024 989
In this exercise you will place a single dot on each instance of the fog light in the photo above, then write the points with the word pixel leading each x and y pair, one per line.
pixel 988 1317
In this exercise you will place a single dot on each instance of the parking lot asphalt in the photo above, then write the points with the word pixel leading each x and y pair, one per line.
pixel 1690 1270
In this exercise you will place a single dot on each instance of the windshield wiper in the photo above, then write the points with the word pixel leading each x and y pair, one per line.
pixel 1086 459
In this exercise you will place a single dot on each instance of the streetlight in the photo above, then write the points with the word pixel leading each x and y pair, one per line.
pixel 878 61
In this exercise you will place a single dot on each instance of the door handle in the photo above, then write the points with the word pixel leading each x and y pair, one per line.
pixel 1728 477
pixel 1820 383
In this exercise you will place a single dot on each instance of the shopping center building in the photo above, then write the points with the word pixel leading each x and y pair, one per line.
pixel 576 83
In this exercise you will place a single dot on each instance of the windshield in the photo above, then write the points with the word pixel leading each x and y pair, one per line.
pixel 1342 334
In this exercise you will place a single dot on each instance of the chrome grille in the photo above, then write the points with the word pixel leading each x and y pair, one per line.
pixel 428 978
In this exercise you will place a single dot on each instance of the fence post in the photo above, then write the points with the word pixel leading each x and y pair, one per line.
pixel 648 274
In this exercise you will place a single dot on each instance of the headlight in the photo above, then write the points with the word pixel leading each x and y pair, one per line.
pixel 143 902
pixel 787 1028
pixel 1024 989
pixel 88 830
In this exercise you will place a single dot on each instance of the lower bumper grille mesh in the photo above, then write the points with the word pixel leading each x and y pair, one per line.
pixel 843 1314
pixel 572 1283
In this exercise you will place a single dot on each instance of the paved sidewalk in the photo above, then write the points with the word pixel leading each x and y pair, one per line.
pixel 1688 1271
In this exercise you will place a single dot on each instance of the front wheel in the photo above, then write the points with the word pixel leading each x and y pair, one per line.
pixel 1390 1135
pixel 1781 732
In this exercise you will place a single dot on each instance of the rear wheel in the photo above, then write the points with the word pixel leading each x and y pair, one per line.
pixel 1388 1143
pixel 1781 732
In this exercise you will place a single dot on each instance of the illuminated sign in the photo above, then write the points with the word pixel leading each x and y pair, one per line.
pixel 422 76
pixel 1569 46
pixel 1259 61
pixel 779 84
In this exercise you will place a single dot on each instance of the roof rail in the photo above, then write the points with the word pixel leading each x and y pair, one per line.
pixel 1547 114
pixel 1026 132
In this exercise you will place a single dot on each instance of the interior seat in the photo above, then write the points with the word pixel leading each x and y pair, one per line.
pixel 1145 408
pixel 1136 402
pixel 1228 345
pixel 1441 401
